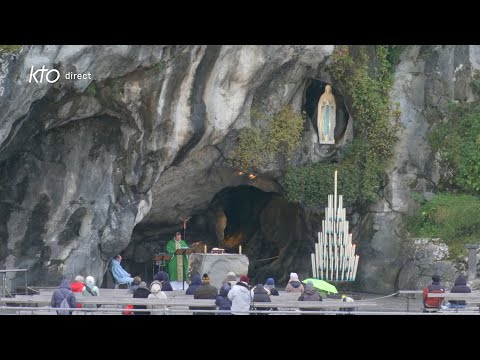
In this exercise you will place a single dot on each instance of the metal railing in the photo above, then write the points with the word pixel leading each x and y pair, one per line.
pixel 4 278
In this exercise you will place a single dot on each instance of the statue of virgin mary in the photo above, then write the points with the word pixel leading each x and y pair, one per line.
pixel 326 117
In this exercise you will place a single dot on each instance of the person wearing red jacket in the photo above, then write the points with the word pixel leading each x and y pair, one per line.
pixel 77 286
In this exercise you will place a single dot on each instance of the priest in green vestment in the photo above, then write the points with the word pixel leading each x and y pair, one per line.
pixel 177 267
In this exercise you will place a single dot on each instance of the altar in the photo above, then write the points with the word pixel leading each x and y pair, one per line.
pixel 217 266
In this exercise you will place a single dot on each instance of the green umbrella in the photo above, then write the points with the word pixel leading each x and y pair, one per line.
pixel 322 285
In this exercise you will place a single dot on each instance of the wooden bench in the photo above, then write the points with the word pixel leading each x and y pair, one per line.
pixel 469 298
pixel 175 302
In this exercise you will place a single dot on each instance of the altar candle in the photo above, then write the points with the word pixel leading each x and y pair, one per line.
pixel 240 249
pixel 204 249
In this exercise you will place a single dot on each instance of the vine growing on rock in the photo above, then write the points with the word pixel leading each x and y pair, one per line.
pixel 10 49
pixel 366 81
pixel 453 218
pixel 458 144
pixel 259 146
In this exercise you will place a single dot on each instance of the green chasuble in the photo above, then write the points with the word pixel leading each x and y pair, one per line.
pixel 177 267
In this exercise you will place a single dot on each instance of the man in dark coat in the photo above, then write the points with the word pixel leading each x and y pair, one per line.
pixel 142 293
pixel 206 291
pixel 222 301
pixel 195 284
pixel 460 286
pixel 260 294
pixel 64 291
pixel 310 294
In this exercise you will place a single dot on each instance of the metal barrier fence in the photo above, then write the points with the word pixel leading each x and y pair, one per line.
pixel 4 309
pixel 4 278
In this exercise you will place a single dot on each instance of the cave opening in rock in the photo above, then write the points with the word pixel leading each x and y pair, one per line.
pixel 274 234
pixel 236 212
pixel 312 95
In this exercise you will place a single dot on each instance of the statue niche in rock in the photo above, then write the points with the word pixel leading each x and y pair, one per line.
pixel 326 117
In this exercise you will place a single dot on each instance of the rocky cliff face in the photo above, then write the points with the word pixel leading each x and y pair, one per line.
pixel 427 79
pixel 83 161
pixel 94 167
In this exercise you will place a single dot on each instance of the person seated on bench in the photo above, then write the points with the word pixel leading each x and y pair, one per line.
pixel 294 285
pixel 460 286
pixel 434 287
pixel 162 277
pixel 157 293
pixel 135 284
pixel 310 294
pixel 206 291
pixel 194 285
pixel 270 286
pixel 141 293
pixel 119 274
pixel 77 284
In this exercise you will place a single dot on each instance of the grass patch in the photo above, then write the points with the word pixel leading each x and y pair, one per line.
pixel 453 218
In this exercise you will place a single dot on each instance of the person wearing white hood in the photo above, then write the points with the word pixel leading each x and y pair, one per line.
pixel 240 296
pixel 156 293
pixel 90 290
pixel 294 285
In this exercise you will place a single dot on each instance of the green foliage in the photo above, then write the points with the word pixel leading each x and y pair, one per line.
pixel 394 52
pixel 250 145
pixel 369 93
pixel 476 82
pixel 359 179
pixel 453 218
pixel 458 143
pixel 91 89
pixel 281 136
pixel 10 49
pixel 419 199
pixel 116 85
pixel 363 163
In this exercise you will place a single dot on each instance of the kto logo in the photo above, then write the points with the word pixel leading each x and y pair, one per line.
pixel 51 78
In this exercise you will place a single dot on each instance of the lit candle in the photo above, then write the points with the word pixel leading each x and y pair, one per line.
pixel 240 249
pixel 205 249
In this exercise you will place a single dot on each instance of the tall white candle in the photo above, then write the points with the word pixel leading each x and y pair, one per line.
pixel 342 263
pixel 355 267
pixel 335 193
pixel 313 265
pixel 337 263
pixel 240 249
